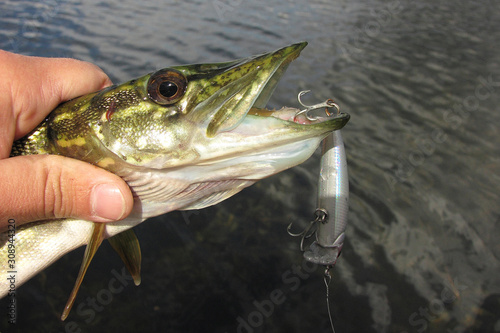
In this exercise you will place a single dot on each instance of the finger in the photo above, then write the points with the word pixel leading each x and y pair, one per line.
pixel 39 187
pixel 32 87
pixel 51 81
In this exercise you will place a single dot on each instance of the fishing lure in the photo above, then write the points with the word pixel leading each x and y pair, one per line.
pixel 330 219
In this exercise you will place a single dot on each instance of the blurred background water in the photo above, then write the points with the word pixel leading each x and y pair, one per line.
pixel 421 80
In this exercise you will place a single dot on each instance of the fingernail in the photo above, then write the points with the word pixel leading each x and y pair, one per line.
pixel 107 202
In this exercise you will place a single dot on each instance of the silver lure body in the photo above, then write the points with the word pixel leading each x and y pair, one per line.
pixel 333 203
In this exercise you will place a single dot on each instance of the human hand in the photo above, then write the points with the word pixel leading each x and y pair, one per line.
pixel 39 187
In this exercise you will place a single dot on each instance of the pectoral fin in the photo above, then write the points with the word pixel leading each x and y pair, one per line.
pixel 92 246
pixel 127 246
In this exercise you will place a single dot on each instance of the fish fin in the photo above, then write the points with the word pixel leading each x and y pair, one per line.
pixel 94 243
pixel 127 246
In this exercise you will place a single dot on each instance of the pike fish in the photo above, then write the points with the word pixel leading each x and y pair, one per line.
pixel 183 137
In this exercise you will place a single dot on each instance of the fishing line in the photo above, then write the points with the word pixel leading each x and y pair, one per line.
pixel 327 278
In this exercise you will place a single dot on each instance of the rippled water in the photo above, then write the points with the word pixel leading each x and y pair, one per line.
pixel 421 81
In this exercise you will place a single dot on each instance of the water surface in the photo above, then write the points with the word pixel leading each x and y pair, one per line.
pixel 421 81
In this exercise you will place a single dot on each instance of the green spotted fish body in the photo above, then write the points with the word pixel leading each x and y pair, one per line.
pixel 184 137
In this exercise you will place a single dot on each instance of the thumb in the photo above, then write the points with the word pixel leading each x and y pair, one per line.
pixel 39 187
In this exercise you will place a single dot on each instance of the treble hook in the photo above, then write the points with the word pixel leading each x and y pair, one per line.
pixel 320 216
pixel 329 103
pixel 305 234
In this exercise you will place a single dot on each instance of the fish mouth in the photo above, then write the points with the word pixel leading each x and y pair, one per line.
pixel 236 130
pixel 286 113
pixel 241 89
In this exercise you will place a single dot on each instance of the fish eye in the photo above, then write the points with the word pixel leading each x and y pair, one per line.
pixel 166 86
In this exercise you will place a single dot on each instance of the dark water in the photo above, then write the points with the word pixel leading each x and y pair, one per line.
pixel 421 81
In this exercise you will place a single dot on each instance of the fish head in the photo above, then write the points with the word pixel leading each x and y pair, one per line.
pixel 206 113
pixel 199 123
